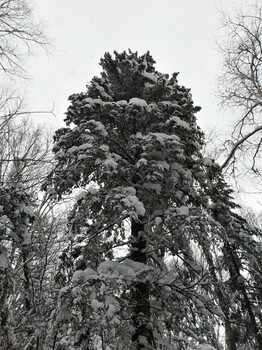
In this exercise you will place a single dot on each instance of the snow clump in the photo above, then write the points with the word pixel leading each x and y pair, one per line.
pixel 138 102
pixel 182 210
pixel 205 347
pixel 208 162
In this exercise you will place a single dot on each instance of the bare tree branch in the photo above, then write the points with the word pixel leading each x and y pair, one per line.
pixel 237 144
pixel 20 34
pixel 240 84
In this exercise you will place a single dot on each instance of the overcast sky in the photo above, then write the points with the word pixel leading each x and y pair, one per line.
pixel 180 35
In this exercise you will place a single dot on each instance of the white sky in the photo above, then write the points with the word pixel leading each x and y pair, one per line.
pixel 180 35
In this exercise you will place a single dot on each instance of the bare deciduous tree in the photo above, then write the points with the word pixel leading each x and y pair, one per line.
pixel 19 34
pixel 27 269
pixel 241 84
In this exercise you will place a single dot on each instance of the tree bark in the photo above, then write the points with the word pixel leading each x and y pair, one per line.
pixel 140 292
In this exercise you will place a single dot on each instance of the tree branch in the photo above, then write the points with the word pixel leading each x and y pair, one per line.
pixel 237 144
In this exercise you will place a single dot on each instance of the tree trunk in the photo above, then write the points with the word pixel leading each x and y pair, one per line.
pixel 234 270
pixel 26 279
pixel 230 338
pixel 140 293
pixel 246 304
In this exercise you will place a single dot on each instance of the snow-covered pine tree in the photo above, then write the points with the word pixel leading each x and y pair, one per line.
pixel 16 212
pixel 143 215
pixel 28 236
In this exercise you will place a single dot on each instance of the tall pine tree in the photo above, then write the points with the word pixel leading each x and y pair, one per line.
pixel 144 219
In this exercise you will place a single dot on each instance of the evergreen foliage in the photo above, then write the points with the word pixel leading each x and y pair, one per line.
pixel 156 250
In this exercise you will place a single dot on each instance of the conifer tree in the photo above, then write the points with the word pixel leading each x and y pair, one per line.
pixel 145 208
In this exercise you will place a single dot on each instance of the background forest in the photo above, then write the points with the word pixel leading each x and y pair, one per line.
pixel 120 229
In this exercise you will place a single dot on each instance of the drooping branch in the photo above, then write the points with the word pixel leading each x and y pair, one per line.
pixel 237 144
